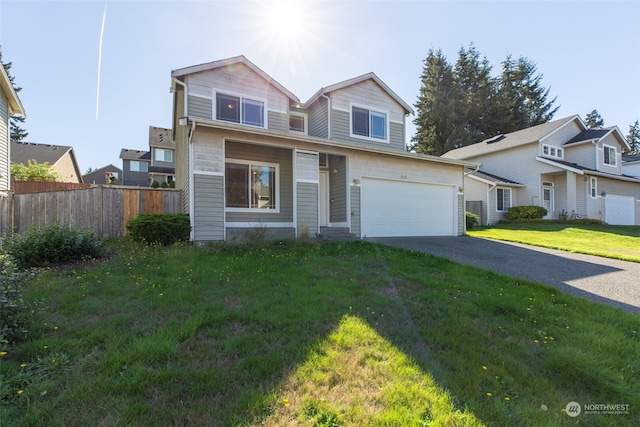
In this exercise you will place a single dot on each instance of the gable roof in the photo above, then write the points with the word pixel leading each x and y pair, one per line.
pixel 632 158
pixel 513 139
pixel 241 59
pixel 161 137
pixel 22 152
pixel 581 170
pixel 356 80
pixel 127 154
pixel 15 106
pixel 597 135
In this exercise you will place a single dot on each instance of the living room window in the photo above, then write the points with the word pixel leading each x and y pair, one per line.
pixel 250 186
pixel 503 199
pixel 368 123
pixel 239 110
pixel 610 154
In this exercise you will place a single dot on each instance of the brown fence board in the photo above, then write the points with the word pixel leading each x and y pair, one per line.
pixel 102 209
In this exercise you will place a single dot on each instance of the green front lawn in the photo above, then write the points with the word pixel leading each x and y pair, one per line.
pixel 611 241
pixel 340 334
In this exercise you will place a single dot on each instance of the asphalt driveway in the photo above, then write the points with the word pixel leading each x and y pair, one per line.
pixel 604 280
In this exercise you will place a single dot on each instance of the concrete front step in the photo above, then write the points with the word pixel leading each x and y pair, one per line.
pixel 336 233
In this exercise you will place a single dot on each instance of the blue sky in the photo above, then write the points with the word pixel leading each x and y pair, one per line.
pixel 587 51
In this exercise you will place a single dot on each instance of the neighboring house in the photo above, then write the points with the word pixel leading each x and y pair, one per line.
pixel 252 159
pixel 561 165
pixel 61 158
pixel 631 165
pixel 135 167
pixel 9 105
pixel 142 168
pixel 163 164
pixel 109 174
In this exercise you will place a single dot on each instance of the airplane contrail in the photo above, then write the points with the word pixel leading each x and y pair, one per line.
pixel 104 17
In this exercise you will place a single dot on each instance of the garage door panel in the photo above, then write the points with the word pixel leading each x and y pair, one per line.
pixel 399 208
pixel 619 210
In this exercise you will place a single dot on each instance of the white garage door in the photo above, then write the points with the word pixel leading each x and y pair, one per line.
pixel 400 208
pixel 619 210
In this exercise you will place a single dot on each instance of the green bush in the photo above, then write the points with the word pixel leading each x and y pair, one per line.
pixel 172 184
pixel 526 212
pixel 472 219
pixel 155 184
pixel 14 310
pixel 161 229
pixel 164 184
pixel 54 243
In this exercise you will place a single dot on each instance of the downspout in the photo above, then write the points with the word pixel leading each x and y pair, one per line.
pixel 189 156
pixel 488 200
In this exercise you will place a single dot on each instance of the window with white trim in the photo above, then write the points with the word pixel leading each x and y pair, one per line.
pixel 163 155
pixel 551 151
pixel 368 123
pixel 593 182
pixel 239 110
pixel 251 186
pixel 610 154
pixel 137 166
pixel 298 123
pixel 503 199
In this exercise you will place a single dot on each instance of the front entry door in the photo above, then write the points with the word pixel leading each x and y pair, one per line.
pixel 323 199
pixel 547 201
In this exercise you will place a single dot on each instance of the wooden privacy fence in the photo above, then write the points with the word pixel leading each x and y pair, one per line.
pixel 103 209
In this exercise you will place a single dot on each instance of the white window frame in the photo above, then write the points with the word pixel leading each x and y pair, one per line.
pixel 552 151
pixel 305 119
pixel 156 155
pixel 503 190
pixel 242 101
pixel 593 187
pixel 608 149
pixel 371 112
pixel 276 183
pixel 138 162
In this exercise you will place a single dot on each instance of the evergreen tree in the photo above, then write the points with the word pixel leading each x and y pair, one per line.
pixel 594 120
pixel 437 124
pixel 521 100
pixel 633 138
pixel 17 132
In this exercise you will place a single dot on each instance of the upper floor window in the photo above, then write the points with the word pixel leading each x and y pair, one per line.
pixel 503 199
pixel 298 122
pixel 136 166
pixel 368 123
pixel 610 155
pixel 163 155
pixel 239 110
pixel 551 151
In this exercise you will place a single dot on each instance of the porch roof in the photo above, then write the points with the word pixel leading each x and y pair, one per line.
pixel 583 170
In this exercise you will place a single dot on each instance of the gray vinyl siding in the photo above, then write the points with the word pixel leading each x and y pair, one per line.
pixel 356 219
pixel 338 186
pixel 208 208
pixel 582 154
pixel 200 107
pixel 4 143
pixel 307 201
pixel 476 191
pixel 278 121
pixel 260 153
pixel 319 119
pixel 611 142
pixel 341 129
pixel 564 134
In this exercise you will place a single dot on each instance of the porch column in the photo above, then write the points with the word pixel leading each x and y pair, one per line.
pixel 571 193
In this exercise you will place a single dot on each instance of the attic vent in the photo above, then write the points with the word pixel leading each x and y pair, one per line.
pixel 496 139
pixel 161 137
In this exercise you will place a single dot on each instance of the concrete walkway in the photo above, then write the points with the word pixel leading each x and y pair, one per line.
pixel 604 280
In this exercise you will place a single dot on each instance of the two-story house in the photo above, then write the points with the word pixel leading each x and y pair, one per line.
pixel 9 105
pixel 563 166
pixel 62 158
pixel 142 168
pixel 252 158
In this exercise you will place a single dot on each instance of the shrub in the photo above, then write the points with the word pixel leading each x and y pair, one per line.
pixel 172 184
pixel 164 184
pixel 526 212
pixel 155 184
pixel 162 229
pixel 472 219
pixel 41 246
pixel 14 310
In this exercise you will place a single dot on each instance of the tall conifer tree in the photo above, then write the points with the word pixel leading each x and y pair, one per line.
pixel 17 132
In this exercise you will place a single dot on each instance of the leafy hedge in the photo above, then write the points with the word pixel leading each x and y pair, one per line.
pixel 15 311
pixel 526 212
pixel 160 229
pixel 584 221
pixel 54 243
pixel 472 219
